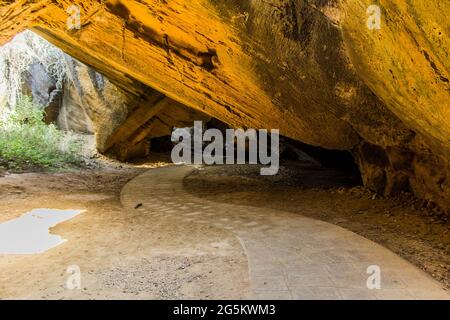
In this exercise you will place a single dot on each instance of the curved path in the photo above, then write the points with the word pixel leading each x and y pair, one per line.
pixel 289 256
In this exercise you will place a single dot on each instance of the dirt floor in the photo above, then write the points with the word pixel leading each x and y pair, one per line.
pixel 402 224
pixel 124 255
pixel 121 255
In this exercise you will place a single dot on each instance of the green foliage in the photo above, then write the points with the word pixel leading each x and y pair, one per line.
pixel 27 142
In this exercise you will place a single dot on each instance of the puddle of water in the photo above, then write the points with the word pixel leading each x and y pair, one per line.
pixel 29 234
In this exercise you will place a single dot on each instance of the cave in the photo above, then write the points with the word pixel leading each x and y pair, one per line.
pixel 354 97
pixel 248 86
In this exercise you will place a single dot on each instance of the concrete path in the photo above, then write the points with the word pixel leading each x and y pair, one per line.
pixel 289 256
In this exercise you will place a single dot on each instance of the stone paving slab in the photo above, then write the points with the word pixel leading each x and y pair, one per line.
pixel 289 256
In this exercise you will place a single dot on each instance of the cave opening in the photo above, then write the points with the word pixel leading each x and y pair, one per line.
pixel 90 117
pixel 133 125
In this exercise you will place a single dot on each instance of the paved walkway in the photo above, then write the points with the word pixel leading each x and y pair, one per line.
pixel 289 256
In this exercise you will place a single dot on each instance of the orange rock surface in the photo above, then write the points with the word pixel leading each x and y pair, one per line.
pixel 311 68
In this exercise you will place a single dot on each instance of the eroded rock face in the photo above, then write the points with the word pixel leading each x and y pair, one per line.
pixel 79 99
pixel 311 68
pixel 38 84
pixel 91 103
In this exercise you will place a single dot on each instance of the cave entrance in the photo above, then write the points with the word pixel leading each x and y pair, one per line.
pixel 132 124
pixel 56 112
pixel 70 99
pixel 43 122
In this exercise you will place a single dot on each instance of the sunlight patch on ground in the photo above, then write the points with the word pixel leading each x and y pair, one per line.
pixel 30 234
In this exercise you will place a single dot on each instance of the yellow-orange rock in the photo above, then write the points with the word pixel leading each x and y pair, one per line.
pixel 311 68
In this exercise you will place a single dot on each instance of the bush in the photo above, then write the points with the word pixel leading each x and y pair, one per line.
pixel 27 142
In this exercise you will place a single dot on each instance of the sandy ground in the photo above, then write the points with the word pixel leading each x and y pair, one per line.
pixel 121 254
pixel 125 255
pixel 420 235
